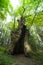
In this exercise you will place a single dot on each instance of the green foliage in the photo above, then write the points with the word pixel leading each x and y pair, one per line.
pixel 6 59
pixel 35 39
pixel 39 56
pixel 2 49
pixel 40 31
pixel 4 8
pixel 39 19
pixel 29 10
pixel 5 30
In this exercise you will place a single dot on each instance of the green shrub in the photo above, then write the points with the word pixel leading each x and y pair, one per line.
pixel 2 49
pixel 39 56
pixel 6 59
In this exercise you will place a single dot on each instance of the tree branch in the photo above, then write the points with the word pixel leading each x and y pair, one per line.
pixel 35 12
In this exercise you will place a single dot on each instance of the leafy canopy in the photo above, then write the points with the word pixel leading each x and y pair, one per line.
pixel 5 7
pixel 31 10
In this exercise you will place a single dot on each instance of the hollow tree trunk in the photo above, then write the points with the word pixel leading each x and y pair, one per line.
pixel 19 45
pixel 17 39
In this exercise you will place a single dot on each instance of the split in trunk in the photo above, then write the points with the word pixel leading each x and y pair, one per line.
pixel 19 45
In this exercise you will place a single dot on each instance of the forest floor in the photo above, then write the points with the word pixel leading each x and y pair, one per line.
pixel 22 60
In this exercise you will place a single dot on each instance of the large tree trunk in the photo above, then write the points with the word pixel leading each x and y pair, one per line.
pixel 19 45
pixel 19 40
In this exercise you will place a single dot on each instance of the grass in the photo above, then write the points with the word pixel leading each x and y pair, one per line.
pixel 39 56
pixel 5 59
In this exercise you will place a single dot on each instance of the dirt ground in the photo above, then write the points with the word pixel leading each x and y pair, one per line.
pixel 22 60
